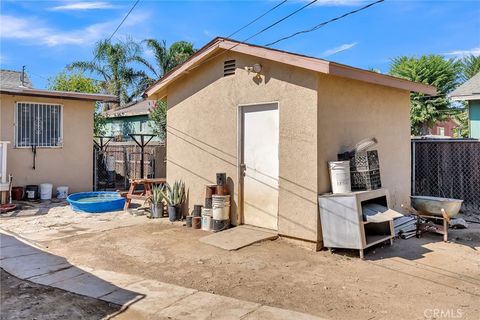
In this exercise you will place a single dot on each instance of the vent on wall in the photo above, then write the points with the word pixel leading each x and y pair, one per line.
pixel 228 68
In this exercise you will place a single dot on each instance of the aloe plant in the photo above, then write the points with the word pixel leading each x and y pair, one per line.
pixel 156 196
pixel 174 196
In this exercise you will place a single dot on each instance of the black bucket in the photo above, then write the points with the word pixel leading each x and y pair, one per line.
pixel 208 203
pixel 31 192
pixel 220 225
pixel 188 221
pixel 197 210
pixel 221 179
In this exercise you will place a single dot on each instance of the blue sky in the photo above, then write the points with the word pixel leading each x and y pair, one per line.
pixel 47 35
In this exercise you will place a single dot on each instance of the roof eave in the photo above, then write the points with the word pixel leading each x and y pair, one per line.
pixel 469 97
pixel 60 94
pixel 159 89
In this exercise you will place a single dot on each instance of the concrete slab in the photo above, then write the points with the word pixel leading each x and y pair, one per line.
pixel 204 305
pixel 119 279
pixel 17 250
pixel 122 297
pixel 157 295
pixel 57 276
pixel 28 266
pixel 6 241
pixel 239 237
pixel 87 285
pixel 271 313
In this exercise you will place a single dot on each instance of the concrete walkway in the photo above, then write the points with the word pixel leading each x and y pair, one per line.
pixel 140 298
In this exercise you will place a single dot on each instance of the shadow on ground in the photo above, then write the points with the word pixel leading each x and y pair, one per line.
pixel 43 270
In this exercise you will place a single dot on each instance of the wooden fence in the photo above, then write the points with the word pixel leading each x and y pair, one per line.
pixel 124 158
pixel 447 168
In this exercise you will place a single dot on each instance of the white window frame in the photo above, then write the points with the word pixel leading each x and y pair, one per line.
pixel 15 125
pixel 441 131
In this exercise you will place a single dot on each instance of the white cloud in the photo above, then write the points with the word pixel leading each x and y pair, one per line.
pixel 343 47
pixel 474 51
pixel 34 31
pixel 83 6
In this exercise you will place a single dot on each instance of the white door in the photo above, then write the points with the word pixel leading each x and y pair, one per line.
pixel 259 154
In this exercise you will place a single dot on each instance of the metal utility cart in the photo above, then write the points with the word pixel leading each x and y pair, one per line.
pixel 342 221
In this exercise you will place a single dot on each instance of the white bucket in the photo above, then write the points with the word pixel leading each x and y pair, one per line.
pixel 221 212
pixel 207 211
pixel 207 222
pixel 110 163
pixel 46 191
pixel 62 192
pixel 340 176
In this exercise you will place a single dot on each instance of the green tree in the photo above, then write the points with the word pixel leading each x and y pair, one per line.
pixel 470 67
pixel 167 58
pixel 158 115
pixel 434 70
pixel 113 63
pixel 78 82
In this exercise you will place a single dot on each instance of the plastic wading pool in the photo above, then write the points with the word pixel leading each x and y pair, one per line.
pixel 96 202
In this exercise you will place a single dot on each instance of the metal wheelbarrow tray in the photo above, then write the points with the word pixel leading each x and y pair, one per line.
pixel 431 209
pixel 432 206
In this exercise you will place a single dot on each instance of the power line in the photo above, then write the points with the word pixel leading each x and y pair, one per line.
pixel 283 19
pixel 259 32
pixel 320 25
pixel 256 19
pixel 118 27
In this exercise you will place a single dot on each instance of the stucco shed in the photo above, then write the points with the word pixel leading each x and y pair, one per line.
pixel 283 123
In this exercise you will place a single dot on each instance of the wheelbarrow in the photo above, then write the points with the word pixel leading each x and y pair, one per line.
pixel 430 210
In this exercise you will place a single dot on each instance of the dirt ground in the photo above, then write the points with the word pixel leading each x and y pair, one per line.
pixel 411 280
pixel 26 300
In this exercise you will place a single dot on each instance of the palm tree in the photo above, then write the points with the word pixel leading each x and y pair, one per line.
pixel 166 58
pixel 112 62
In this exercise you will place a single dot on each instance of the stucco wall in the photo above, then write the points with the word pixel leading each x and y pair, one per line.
pixel 351 110
pixel 71 165
pixel 202 134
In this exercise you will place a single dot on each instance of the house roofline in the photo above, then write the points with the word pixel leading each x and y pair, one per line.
pixel 294 59
pixel 23 91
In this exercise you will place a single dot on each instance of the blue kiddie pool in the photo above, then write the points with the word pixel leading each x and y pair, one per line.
pixel 96 202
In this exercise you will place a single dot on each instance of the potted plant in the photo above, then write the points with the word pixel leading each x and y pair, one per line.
pixel 174 197
pixel 156 204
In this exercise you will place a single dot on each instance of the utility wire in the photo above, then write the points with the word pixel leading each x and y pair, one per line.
pixel 118 27
pixel 259 32
pixel 320 25
pixel 256 19
pixel 283 19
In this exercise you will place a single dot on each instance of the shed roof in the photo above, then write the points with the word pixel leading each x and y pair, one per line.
pixel 470 90
pixel 13 79
pixel 219 44
pixel 138 108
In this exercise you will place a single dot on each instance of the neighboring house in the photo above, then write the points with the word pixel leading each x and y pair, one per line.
pixel 470 93
pixel 132 118
pixel 49 130
pixel 449 128
pixel 272 120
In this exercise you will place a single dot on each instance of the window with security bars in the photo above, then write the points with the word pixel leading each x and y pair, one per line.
pixel 38 124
